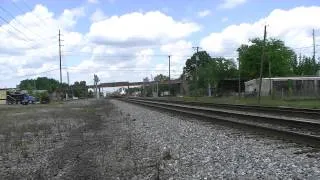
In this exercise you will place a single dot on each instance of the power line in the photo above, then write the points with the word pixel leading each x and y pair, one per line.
pixel 66 53
pixel 35 74
pixel 26 38
pixel 197 49
pixel 123 69
pixel 29 9
pixel 17 21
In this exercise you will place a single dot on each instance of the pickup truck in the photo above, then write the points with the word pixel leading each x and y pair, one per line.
pixel 28 100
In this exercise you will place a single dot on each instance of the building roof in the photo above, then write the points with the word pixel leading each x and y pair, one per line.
pixel 7 89
pixel 296 78
pixel 291 78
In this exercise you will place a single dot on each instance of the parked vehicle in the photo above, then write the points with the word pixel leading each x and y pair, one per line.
pixel 28 100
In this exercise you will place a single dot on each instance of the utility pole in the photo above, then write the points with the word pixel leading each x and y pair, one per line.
pixel 270 82
pixel 314 52
pixel 152 85
pixel 96 80
pixel 197 59
pixel 68 78
pixel 196 48
pixel 68 85
pixel 239 79
pixel 34 84
pixel 60 57
pixel 157 89
pixel 262 61
pixel 169 75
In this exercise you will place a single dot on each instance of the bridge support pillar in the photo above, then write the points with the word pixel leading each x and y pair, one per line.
pixel 98 96
pixel 128 92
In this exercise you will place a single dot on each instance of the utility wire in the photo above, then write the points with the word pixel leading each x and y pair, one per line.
pixel 66 68
pixel 26 38
pixel 18 22
pixel 30 9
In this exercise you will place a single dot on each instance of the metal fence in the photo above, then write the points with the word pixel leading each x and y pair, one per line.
pixel 296 89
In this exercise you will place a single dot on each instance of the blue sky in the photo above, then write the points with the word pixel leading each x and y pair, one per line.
pixel 128 40
pixel 250 11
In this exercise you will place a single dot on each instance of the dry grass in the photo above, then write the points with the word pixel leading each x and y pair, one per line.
pixel 30 136
pixel 78 140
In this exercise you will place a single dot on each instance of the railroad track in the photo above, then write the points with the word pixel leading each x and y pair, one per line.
pixel 306 130
pixel 282 111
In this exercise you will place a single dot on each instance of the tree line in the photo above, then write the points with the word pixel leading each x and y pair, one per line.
pixel 77 89
pixel 203 71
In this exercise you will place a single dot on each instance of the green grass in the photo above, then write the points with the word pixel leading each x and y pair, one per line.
pixel 265 101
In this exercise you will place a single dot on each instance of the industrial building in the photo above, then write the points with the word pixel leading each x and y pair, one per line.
pixel 3 96
pixel 285 86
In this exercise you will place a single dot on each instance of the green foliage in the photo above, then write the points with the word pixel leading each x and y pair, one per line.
pixel 80 89
pixel 305 66
pixel 281 57
pixel 37 95
pixel 44 97
pixel 41 83
pixel 207 71
pixel 161 77
pixel 192 64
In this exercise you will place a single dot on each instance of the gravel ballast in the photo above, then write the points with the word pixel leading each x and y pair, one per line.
pixel 167 146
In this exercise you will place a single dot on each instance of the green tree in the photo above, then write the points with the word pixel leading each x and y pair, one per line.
pixel 207 72
pixel 161 77
pixel 80 89
pixel 194 63
pixel 282 58
pixel 216 70
pixel 41 83
pixel 305 66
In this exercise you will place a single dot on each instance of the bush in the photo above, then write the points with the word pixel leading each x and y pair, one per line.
pixel 44 98
pixel 198 92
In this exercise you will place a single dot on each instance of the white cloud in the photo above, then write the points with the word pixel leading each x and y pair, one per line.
pixel 229 4
pixel 111 1
pixel 35 50
pixel 180 51
pixel 140 29
pixel 111 62
pixel 224 19
pixel 204 13
pixel 293 26
pixel 69 17
pixel 143 57
pixel 93 1
pixel 98 15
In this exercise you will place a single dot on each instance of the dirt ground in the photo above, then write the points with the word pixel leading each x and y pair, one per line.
pixel 110 139
pixel 84 139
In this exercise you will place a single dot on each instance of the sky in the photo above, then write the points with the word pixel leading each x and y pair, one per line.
pixel 122 40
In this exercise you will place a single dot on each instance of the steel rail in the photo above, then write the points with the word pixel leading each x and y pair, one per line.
pixel 244 119
pixel 288 111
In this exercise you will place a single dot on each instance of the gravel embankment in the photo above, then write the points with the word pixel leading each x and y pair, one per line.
pixel 166 146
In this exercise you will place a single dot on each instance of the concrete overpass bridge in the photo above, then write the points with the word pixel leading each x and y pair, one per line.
pixel 176 83
pixel 130 84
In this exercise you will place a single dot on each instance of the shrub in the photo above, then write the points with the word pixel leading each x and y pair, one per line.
pixel 44 98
